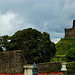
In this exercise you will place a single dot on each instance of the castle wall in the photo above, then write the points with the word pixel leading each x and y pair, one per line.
pixel 48 67
pixel 70 32
pixel 12 62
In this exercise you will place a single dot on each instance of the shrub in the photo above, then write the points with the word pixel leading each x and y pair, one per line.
pixel 71 54
pixel 71 67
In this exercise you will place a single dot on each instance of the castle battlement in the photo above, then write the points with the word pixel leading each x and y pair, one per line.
pixel 70 32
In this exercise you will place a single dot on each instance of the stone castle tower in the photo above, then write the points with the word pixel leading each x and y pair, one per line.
pixel 70 32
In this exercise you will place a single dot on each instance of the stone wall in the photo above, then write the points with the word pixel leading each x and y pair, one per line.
pixel 49 67
pixel 12 62
pixel 70 32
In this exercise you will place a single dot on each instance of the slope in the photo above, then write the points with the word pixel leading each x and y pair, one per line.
pixel 64 47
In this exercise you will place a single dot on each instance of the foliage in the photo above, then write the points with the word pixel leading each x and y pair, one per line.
pixel 71 74
pixel 71 67
pixel 71 54
pixel 58 58
pixel 73 38
pixel 65 50
pixel 55 68
pixel 36 46
pixel 49 67
pixel 1 44
pixel 1 49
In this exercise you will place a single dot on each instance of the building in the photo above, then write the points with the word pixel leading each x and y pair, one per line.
pixel 70 32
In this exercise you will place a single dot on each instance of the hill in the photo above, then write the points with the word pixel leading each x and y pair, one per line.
pixel 66 52
pixel 65 47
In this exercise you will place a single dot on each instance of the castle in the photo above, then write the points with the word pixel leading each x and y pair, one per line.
pixel 70 32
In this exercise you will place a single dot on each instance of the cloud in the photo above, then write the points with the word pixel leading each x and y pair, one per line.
pixel 55 40
pixel 50 16
pixel 11 22
pixel 5 25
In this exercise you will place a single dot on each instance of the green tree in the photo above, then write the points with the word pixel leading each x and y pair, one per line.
pixel 4 42
pixel 1 49
pixel 71 54
pixel 36 46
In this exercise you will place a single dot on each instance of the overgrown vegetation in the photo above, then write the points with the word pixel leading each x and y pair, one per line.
pixel 36 46
pixel 71 68
pixel 55 68
pixel 66 52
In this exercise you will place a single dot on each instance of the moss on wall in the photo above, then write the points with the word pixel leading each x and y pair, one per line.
pixel 12 62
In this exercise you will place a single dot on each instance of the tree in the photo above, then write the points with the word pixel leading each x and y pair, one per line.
pixel 4 42
pixel 36 46
pixel 71 54
pixel 1 49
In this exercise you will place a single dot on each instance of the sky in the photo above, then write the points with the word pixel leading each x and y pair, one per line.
pixel 51 16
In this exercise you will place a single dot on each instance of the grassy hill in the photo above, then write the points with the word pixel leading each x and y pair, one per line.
pixel 66 52
pixel 63 47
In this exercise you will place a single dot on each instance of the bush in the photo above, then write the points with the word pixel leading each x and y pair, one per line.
pixel 73 38
pixel 71 67
pixel 71 54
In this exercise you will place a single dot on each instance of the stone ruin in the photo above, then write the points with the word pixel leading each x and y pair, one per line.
pixel 70 32
pixel 12 61
pixel 47 67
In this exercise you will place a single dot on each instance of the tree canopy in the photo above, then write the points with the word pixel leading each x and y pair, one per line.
pixel 37 46
pixel 65 50
pixel 71 54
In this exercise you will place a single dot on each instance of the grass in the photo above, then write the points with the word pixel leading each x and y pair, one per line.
pixel 71 74
pixel 63 47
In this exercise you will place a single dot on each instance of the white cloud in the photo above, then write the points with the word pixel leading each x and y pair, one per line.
pixel 51 16
pixel 5 25
pixel 11 22
pixel 55 40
